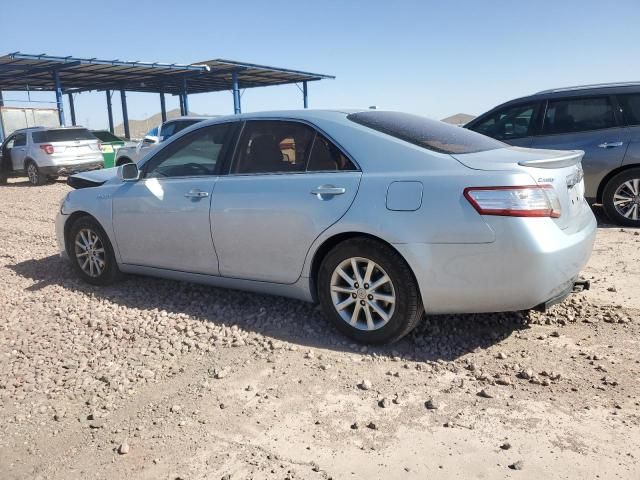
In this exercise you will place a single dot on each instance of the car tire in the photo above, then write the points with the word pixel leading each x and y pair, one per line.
pixel 386 310
pixel 623 188
pixel 91 252
pixel 36 177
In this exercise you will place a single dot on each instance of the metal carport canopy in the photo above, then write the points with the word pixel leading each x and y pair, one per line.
pixel 68 75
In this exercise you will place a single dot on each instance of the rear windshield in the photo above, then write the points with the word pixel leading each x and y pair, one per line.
pixel 430 134
pixel 62 135
pixel 107 137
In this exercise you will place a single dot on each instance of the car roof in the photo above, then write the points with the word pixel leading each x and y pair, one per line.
pixel 309 115
pixel 577 91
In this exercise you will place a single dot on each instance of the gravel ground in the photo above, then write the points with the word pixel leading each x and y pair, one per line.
pixel 155 379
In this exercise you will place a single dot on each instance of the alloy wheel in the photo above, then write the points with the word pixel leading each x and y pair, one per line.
pixel 90 252
pixel 362 293
pixel 32 173
pixel 626 199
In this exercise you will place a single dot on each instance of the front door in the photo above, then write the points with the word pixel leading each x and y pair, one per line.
pixel 589 124
pixel 287 185
pixel 162 220
pixel 18 150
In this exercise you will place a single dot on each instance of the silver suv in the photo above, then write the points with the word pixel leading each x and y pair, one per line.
pixel 602 120
pixel 45 153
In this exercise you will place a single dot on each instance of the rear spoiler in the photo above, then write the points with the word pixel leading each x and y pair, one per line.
pixel 572 157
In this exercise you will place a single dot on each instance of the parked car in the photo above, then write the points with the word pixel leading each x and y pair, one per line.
pixel 153 137
pixel 603 120
pixel 377 215
pixel 109 145
pixel 45 153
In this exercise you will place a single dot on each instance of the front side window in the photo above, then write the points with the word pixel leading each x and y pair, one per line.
pixel 630 105
pixel 10 143
pixel 20 140
pixel 268 146
pixel 426 133
pixel 511 122
pixel 196 154
pixel 578 115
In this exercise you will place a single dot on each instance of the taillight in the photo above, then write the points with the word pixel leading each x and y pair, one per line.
pixel 517 201
pixel 48 149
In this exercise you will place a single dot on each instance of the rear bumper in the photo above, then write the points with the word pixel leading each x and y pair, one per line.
pixel 55 170
pixel 531 263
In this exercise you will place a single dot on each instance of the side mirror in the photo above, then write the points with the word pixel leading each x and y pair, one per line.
pixel 150 140
pixel 128 172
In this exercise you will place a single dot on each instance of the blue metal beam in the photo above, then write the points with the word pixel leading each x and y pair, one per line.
pixel 109 110
pixel 305 99
pixel 237 108
pixel 72 109
pixel 163 107
pixel 56 79
pixel 185 100
pixel 125 114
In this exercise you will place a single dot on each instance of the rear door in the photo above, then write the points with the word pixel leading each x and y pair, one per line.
pixel 589 124
pixel 287 184
pixel 514 124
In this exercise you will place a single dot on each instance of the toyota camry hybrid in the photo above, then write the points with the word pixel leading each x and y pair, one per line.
pixel 379 216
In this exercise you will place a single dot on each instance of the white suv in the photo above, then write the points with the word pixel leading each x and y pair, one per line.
pixel 45 153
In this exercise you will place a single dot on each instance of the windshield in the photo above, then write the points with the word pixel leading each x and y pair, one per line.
pixel 424 132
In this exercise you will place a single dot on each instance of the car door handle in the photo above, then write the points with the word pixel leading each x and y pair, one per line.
pixel 611 144
pixel 327 191
pixel 195 193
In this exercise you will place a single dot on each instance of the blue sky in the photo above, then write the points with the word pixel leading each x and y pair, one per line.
pixel 430 58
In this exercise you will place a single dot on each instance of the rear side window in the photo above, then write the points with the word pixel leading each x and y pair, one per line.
pixel 630 108
pixel 62 135
pixel 326 157
pixel 510 122
pixel 20 140
pixel 267 146
pixel 430 134
pixel 578 115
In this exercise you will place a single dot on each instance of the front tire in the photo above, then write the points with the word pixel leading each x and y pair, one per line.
pixel 368 291
pixel 91 252
pixel 36 177
pixel 621 198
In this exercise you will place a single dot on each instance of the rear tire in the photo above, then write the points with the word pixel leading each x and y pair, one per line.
pixel 366 306
pixel 36 177
pixel 91 252
pixel 621 198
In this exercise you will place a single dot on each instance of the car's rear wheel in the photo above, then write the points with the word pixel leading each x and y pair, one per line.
pixel 368 291
pixel 91 252
pixel 621 198
pixel 33 173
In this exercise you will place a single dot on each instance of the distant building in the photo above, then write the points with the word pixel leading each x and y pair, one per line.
pixel 458 119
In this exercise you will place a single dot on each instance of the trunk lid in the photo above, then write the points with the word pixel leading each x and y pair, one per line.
pixel 560 168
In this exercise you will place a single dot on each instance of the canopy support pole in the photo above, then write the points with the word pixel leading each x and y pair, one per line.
pixel 109 110
pixel 163 107
pixel 72 109
pixel 237 108
pixel 56 79
pixel 185 99
pixel 125 114
pixel 305 97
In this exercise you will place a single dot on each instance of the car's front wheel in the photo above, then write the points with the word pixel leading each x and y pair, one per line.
pixel 91 252
pixel 621 198
pixel 369 292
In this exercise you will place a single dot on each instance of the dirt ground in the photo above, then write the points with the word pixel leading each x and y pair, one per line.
pixel 153 379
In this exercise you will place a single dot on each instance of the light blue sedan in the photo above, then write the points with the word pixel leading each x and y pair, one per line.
pixel 379 216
